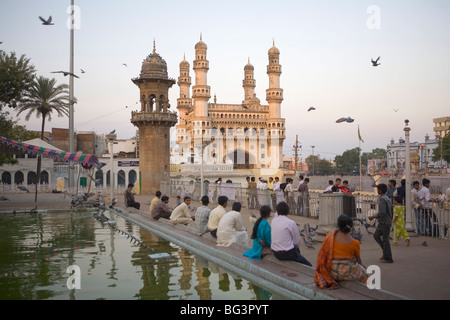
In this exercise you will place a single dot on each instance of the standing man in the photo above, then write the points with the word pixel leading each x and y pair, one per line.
pixel 286 236
pixel 384 218
pixel 276 192
pixel 129 198
pixel 182 213
pixel 426 208
pixel 253 201
pixel 415 201
pixel 335 188
pixel 303 189
pixel 391 190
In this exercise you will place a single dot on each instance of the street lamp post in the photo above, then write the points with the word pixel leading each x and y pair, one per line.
pixel 111 137
pixel 71 95
pixel 409 224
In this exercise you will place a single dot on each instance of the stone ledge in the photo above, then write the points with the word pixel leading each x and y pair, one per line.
pixel 289 278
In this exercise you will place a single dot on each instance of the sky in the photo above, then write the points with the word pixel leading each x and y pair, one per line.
pixel 326 50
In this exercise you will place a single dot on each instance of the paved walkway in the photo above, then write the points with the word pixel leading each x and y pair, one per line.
pixel 418 271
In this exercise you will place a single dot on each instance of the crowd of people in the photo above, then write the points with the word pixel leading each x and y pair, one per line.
pixel 339 256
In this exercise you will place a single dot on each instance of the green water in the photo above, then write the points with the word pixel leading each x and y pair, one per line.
pixel 36 249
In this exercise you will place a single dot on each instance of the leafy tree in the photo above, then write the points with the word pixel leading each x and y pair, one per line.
pixel 10 129
pixel 44 98
pixel 348 162
pixel 445 150
pixel 16 77
pixel 320 166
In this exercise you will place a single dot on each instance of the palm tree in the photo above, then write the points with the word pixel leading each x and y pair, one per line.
pixel 44 98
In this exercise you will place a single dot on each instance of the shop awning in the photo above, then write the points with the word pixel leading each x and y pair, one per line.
pixel 85 159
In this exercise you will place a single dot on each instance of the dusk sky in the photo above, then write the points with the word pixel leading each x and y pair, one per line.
pixel 326 50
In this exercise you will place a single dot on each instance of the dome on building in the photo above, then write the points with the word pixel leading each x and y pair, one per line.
pixel 184 64
pixel 249 66
pixel 274 50
pixel 201 45
pixel 154 67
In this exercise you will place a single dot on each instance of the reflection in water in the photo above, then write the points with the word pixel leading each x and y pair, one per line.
pixel 36 249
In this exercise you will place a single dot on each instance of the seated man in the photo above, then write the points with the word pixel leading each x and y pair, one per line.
pixel 182 213
pixel 161 209
pixel 216 214
pixel 202 215
pixel 231 229
pixel 129 198
pixel 286 236
pixel 155 200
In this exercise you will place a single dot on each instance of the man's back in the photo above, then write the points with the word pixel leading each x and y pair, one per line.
pixel 285 233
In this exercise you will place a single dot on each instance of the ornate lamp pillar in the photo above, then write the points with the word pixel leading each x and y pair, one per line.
pixel 409 224
pixel 111 137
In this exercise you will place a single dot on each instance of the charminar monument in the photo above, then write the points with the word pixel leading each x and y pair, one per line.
pixel 235 139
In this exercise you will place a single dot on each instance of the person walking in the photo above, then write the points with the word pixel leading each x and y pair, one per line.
pixel 399 221
pixel 384 217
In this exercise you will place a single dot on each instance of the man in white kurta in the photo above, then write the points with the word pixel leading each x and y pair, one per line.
pixel 231 229
pixel 182 213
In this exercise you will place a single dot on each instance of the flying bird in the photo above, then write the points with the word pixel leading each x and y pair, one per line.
pixel 82 71
pixel 65 73
pixel 347 119
pixel 311 109
pixel 113 131
pixel 375 63
pixel 47 22
pixel 125 64
pixel 395 110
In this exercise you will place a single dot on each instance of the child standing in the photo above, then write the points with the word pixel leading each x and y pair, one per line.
pixel 399 222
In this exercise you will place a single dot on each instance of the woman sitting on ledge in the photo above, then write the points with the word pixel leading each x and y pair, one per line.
pixel 339 257
pixel 261 236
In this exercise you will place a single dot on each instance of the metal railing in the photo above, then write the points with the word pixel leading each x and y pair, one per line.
pixel 433 224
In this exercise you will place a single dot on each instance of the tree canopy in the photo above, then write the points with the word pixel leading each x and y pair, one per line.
pixel 445 150
pixel 16 78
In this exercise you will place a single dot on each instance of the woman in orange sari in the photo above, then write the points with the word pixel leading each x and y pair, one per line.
pixel 339 257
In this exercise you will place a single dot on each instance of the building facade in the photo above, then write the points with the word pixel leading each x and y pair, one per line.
pixel 248 135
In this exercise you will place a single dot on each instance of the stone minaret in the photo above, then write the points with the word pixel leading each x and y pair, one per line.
pixel 201 93
pixel 249 84
pixel 154 122
pixel 184 103
pixel 274 95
